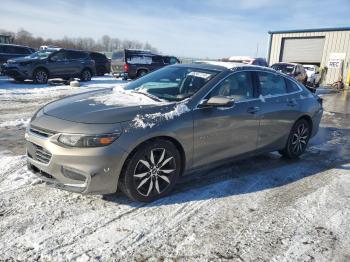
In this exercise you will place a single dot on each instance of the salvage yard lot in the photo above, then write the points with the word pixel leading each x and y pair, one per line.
pixel 261 208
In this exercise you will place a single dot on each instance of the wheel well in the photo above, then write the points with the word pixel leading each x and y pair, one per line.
pixel 308 119
pixel 174 141
pixel 142 69
pixel 86 68
pixel 41 68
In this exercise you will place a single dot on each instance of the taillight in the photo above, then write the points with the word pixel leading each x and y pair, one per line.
pixel 126 67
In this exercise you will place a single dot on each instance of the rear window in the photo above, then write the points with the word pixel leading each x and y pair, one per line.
pixel 15 50
pixel 98 57
pixel 284 68
pixel 118 55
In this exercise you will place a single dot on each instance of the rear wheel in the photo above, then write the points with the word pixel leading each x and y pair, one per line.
pixel 40 76
pixel 298 139
pixel 85 75
pixel 152 171
pixel 141 73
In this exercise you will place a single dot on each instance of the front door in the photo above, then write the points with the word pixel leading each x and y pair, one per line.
pixel 221 133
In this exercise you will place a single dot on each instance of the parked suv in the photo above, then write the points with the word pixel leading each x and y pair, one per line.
pixel 102 63
pixel 11 51
pixel 132 64
pixel 51 63
pixel 292 69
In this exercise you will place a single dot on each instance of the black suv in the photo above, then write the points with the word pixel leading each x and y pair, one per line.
pixel 102 63
pixel 8 51
pixel 51 63
pixel 130 63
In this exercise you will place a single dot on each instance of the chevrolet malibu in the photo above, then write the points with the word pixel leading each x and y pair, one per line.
pixel 143 136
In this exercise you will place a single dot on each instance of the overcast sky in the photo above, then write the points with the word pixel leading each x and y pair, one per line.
pixel 205 28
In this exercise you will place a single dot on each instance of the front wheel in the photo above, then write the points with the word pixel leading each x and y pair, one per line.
pixel 40 76
pixel 152 171
pixel 298 139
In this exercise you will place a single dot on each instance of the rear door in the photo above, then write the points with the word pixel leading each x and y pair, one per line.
pixel 221 133
pixel 278 110
pixel 76 61
pixel 58 64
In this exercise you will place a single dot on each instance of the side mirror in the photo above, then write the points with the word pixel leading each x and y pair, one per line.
pixel 217 101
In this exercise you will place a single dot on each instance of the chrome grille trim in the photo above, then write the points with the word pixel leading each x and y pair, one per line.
pixel 41 132
pixel 41 154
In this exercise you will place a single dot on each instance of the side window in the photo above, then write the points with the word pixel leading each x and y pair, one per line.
pixel 238 86
pixel 271 84
pixel 59 56
pixel 22 50
pixel 73 55
pixel 173 60
pixel 157 59
pixel 292 86
pixel 9 49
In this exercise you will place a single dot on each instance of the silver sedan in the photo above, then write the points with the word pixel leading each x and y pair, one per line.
pixel 182 118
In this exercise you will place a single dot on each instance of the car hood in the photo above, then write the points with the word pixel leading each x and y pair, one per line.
pixel 21 59
pixel 105 106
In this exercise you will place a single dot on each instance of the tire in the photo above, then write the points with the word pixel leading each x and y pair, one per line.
pixel 141 73
pixel 298 139
pixel 40 76
pixel 85 75
pixel 146 179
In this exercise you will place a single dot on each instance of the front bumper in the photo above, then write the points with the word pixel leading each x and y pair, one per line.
pixel 15 71
pixel 83 170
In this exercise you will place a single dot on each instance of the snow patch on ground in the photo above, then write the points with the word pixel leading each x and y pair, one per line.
pixel 14 173
pixel 22 122
pixel 150 120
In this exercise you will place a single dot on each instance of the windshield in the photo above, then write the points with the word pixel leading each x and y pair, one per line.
pixel 40 54
pixel 173 83
pixel 287 69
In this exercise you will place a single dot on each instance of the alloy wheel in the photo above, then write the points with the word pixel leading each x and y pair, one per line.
pixel 152 174
pixel 86 75
pixel 300 139
pixel 41 77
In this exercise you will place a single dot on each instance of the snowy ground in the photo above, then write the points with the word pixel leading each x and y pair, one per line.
pixel 259 209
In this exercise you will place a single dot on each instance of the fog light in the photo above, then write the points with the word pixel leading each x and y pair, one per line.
pixel 73 174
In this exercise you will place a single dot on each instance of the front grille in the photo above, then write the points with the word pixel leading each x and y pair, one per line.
pixel 40 154
pixel 36 170
pixel 41 132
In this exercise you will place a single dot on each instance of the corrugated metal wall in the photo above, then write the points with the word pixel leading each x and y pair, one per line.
pixel 335 42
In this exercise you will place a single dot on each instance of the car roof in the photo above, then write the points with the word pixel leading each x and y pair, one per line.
pixel 17 45
pixel 285 63
pixel 222 66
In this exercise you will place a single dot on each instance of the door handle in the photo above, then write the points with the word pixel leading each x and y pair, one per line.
pixel 292 103
pixel 253 109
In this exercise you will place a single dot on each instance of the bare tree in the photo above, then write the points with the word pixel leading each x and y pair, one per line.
pixel 104 44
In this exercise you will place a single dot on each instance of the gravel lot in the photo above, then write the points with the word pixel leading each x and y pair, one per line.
pixel 264 208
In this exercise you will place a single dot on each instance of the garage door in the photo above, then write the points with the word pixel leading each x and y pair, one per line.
pixel 302 50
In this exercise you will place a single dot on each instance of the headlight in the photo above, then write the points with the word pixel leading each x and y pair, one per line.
pixel 87 140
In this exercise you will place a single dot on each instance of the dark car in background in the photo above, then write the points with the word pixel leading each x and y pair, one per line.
pixel 292 69
pixel 130 63
pixel 51 63
pixel 102 63
pixel 8 51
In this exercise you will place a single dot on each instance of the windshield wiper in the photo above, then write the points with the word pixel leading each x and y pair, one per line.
pixel 148 95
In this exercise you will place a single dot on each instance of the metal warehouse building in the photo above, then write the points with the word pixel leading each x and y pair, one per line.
pixel 328 48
